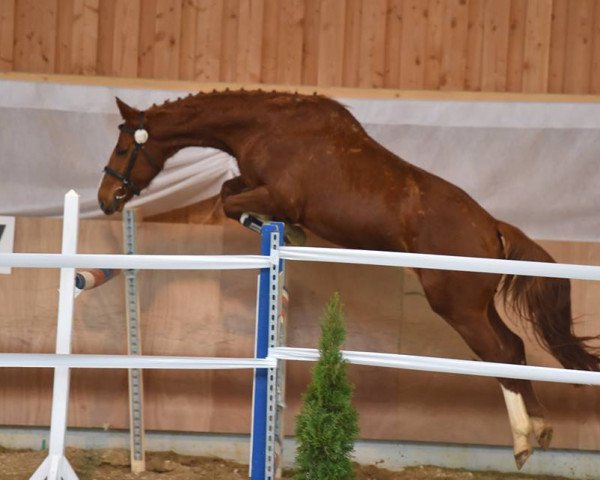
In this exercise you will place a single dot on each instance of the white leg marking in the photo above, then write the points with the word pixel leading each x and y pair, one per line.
pixel 517 413
pixel 520 424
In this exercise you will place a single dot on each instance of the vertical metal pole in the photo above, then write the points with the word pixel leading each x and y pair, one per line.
pixel 262 462
pixel 134 347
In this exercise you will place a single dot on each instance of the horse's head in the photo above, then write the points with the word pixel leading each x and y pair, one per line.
pixel 135 161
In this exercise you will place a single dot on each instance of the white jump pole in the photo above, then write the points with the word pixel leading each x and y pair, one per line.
pixel 441 262
pixel 56 466
pixel 139 262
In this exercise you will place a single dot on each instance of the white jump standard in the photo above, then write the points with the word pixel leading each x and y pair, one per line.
pixel 56 466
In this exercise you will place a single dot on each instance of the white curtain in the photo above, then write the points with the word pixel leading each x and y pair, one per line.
pixel 536 165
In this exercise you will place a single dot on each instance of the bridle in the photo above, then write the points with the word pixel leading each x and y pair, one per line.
pixel 140 137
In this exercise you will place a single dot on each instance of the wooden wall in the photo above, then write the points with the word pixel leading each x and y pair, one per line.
pixel 534 46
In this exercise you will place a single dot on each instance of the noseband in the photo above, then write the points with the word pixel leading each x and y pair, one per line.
pixel 140 136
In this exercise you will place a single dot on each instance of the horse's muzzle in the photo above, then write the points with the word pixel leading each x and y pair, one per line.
pixel 110 208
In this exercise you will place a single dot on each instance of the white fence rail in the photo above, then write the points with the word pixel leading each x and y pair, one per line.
pixel 441 262
pixel 53 360
pixel 138 262
pixel 447 365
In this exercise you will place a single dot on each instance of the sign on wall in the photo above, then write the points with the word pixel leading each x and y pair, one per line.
pixel 7 239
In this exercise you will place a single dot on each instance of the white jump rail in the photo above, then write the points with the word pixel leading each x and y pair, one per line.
pixel 445 262
pixel 138 262
pixel 441 262
pixel 53 360
pixel 447 365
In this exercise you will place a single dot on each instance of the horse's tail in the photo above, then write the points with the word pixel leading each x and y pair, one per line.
pixel 545 303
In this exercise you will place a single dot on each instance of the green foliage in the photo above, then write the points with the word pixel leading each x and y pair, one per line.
pixel 327 425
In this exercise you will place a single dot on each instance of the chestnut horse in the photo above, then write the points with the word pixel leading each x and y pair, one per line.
pixel 306 160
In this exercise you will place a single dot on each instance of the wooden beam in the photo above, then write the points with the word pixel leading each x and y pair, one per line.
pixel 310 49
pixel 558 46
pixel 595 73
pixel 7 34
pixel 536 56
pixel 64 40
pixel 496 31
pixel 187 39
pixel 331 42
pixel 372 44
pixel 454 38
pixel 35 36
pixel 167 41
pixel 127 39
pixel 268 70
pixel 250 37
pixel 579 46
pixel 393 44
pixel 412 55
pixel 516 45
pixel 291 35
pixel 229 40
pixel 351 67
pixel 434 47
pixel 337 92
pixel 146 35
pixel 474 45
pixel 209 22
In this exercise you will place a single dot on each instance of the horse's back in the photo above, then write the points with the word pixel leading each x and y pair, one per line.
pixel 346 187
pixel 372 199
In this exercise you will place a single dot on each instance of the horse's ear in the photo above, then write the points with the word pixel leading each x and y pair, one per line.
pixel 127 112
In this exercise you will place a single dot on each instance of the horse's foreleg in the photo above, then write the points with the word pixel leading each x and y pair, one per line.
pixel 233 186
pixel 258 202
pixel 250 220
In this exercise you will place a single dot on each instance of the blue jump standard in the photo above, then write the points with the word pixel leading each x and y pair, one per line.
pixel 258 467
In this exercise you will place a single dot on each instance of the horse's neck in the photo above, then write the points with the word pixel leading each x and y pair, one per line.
pixel 210 121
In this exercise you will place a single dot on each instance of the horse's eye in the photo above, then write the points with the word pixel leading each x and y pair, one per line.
pixel 121 151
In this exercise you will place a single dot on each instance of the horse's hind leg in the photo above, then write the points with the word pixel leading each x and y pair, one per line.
pixel 482 338
pixel 541 427
pixel 465 301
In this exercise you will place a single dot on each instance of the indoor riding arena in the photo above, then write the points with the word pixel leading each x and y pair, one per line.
pixel 186 184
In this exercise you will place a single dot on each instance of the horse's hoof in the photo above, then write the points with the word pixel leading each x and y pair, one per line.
pixel 543 431
pixel 294 235
pixel 522 457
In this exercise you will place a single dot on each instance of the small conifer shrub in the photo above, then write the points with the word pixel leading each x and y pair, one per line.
pixel 327 425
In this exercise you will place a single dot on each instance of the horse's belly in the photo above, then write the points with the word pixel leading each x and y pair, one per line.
pixel 350 229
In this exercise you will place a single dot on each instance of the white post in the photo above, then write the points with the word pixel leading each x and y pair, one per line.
pixel 56 466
